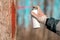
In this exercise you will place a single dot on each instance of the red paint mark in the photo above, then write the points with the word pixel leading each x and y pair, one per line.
pixel 13 19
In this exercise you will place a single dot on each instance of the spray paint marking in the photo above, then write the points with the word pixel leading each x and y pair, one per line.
pixel 13 19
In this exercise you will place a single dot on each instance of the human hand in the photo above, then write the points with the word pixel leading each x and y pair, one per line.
pixel 40 16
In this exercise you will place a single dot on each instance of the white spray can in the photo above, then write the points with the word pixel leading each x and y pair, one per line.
pixel 36 24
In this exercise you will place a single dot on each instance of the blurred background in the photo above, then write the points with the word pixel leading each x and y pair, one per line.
pixel 25 30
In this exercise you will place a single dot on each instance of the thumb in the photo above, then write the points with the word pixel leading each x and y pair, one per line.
pixel 34 15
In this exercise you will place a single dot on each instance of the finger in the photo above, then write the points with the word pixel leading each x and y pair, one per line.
pixel 35 15
pixel 38 7
pixel 40 12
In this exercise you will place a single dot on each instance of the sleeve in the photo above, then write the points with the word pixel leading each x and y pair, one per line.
pixel 53 25
pixel 58 28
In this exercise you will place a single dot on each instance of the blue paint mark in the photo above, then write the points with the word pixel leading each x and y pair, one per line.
pixel 27 13
pixel 56 10
pixel 42 4
pixel 20 12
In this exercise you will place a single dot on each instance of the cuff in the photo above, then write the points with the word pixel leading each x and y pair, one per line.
pixel 51 24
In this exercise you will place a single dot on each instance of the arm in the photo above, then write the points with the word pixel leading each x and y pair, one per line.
pixel 51 23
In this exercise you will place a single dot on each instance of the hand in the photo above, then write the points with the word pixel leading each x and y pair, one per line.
pixel 40 16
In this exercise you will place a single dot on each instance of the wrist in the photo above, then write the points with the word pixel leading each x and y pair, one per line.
pixel 43 19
